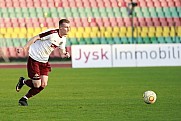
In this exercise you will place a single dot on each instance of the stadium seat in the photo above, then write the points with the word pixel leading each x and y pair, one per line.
pixel 156 22
pixel 124 13
pixel 173 10
pixel 115 3
pixel 159 31
pixel 68 43
pixel 12 52
pixel 106 22
pixel 23 41
pixel 117 40
pixel 177 21
pixel 86 3
pixel 177 3
pixel 168 39
pixel 139 40
pixel 167 12
pixel 154 40
pixel 161 40
pixel 150 3
pixel 14 35
pixel 157 3
pixel 145 29
pixel 163 22
pixel 153 13
pixel 144 34
pixel 78 34
pixel 113 22
pixel 103 40
pixel 86 32
pixel 95 40
pixel 110 40
pixel 129 32
pixel 3 4
pixel 160 12
pixel 89 12
pixel 151 34
pixel 142 21
pixel 107 34
pixel 117 12
pixel 82 41
pixel 179 31
pixel 138 12
pixel 166 31
pixel 149 22
pixel 173 31
pixel 121 34
pixel 146 12
pixel 124 40
pixel 114 34
pixel 16 42
pixel 65 4
pixel 177 39
pixel 120 21
pixel 116 29
pixel 146 40
pixel 9 4
pixel 127 22
pixel 171 3
pixel 164 4
pixel 93 4
pixel 73 41
pixel 88 40
pixel 78 22
pixel 79 3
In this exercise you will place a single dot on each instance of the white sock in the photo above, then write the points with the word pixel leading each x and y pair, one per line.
pixel 25 97
pixel 24 81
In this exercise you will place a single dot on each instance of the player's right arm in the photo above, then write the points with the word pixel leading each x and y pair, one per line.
pixel 27 45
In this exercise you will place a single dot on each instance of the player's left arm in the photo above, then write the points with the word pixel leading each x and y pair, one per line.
pixel 27 45
pixel 64 53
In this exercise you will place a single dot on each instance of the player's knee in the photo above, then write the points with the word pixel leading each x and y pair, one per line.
pixel 36 83
pixel 43 85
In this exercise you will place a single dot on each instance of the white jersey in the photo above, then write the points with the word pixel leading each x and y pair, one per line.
pixel 41 49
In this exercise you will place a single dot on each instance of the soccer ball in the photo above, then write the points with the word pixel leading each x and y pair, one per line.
pixel 149 97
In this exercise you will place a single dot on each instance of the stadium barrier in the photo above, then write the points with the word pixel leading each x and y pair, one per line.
pixel 127 55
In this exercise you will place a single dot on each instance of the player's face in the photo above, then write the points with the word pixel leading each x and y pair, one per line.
pixel 64 29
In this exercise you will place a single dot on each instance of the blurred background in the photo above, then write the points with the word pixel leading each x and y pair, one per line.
pixel 92 22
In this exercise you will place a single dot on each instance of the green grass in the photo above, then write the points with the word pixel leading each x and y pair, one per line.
pixel 102 94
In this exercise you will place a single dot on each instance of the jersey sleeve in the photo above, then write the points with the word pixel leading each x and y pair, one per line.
pixel 44 36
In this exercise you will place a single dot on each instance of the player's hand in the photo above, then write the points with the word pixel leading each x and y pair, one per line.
pixel 19 50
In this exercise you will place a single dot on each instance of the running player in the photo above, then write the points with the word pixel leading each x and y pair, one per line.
pixel 39 48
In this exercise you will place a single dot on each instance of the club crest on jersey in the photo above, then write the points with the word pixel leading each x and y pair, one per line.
pixel 60 43
pixel 53 46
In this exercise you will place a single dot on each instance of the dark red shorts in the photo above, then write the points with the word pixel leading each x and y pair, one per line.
pixel 36 69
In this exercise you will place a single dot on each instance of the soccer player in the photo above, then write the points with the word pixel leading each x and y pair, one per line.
pixel 39 49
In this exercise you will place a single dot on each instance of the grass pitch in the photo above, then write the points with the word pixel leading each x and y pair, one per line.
pixel 102 94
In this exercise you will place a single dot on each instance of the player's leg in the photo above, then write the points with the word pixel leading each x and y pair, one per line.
pixel 35 90
pixel 44 81
pixel 33 70
pixel 39 85
pixel 39 82
pixel 22 81
pixel 34 74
